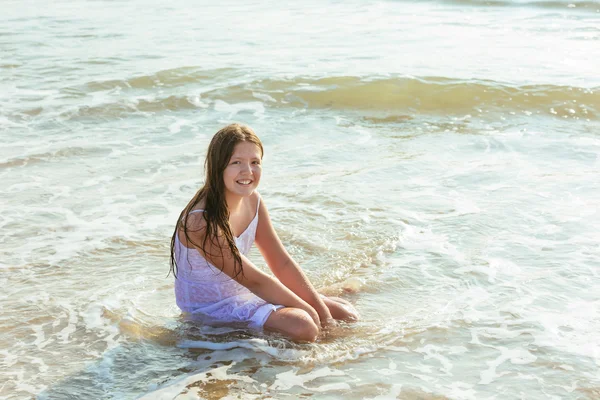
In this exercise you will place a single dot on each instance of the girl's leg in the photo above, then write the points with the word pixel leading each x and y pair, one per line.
pixel 293 323
pixel 341 309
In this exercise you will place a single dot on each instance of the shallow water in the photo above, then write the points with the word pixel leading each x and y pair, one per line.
pixel 441 157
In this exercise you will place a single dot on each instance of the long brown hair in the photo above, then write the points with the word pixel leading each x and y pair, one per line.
pixel 215 213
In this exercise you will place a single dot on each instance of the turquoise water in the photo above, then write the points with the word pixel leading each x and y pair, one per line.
pixel 441 157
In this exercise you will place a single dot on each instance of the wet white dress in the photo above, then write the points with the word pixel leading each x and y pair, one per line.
pixel 211 296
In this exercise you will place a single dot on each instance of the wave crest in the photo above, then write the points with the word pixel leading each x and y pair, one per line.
pixel 381 97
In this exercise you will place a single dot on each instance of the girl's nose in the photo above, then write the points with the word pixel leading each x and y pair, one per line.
pixel 246 167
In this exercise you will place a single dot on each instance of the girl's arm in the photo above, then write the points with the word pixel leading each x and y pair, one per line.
pixel 261 284
pixel 284 267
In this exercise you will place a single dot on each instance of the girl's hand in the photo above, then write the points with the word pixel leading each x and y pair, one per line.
pixel 341 309
pixel 313 314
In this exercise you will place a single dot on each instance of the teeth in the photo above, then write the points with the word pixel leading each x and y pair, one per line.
pixel 244 182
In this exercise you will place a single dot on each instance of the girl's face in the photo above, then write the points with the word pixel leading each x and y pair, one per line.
pixel 242 174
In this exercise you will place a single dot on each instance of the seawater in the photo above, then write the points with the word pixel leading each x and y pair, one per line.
pixel 439 157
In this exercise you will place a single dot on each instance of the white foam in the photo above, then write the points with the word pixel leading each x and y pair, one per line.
pixel 364 136
pixel 335 387
pixel 175 127
pixel 464 205
pixel 516 356
pixel 233 109
pixel 71 327
pixel 196 100
pixel 92 316
pixel 99 180
pixel 435 352
pixel 9 359
pixel 423 238
pixel 179 389
pixel 397 348
pixel 42 367
pixel 256 344
pixel 264 97
pixel 390 370
pixel 393 393
pixel 462 390
pixel 6 123
pixel 39 336
pixel 287 380
pixel 496 266
pixel 582 334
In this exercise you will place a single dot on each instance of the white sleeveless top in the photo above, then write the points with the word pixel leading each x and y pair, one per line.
pixel 202 289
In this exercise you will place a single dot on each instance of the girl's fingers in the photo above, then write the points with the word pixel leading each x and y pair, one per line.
pixel 341 310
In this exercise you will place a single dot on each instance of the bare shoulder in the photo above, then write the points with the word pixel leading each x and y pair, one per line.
pixel 258 202
pixel 198 206
pixel 192 225
pixel 256 199
pixel 195 221
pixel 196 215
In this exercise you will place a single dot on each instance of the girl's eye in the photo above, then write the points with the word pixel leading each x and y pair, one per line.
pixel 256 162
pixel 235 162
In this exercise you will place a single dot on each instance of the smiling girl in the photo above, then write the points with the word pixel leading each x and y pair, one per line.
pixel 214 279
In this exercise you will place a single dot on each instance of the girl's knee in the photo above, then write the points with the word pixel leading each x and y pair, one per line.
pixel 303 328
pixel 294 323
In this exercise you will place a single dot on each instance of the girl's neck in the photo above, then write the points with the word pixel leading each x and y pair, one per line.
pixel 233 202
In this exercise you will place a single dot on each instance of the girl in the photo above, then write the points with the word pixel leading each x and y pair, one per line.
pixel 214 280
